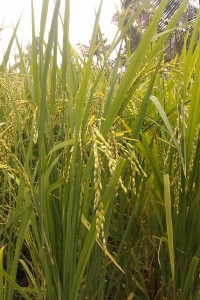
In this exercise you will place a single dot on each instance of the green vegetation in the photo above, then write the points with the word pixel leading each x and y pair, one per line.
pixel 100 168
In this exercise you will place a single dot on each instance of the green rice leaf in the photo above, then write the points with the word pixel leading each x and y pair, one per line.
pixel 14 285
pixel 167 199
pixel 1 277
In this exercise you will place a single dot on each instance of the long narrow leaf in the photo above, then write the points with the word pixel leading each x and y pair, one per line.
pixel 167 198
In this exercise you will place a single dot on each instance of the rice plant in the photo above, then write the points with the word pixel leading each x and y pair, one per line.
pixel 100 166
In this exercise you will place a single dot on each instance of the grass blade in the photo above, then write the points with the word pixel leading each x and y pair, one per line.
pixel 167 199
pixel 189 279
pixel 14 285
pixel 8 50
pixel 1 277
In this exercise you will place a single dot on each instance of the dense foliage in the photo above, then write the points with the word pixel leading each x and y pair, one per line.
pixel 100 167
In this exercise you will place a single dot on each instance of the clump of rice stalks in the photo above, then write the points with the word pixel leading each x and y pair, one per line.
pixel 83 150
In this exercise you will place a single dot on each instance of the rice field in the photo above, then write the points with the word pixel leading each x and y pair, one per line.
pixel 100 167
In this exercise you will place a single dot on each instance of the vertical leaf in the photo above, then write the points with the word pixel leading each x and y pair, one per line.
pixel 167 199
pixel 194 110
pixel 189 278
pixel 1 276
pixel 8 50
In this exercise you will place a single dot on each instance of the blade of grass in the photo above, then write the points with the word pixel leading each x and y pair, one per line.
pixel 91 236
pixel 150 157
pixel 14 217
pixel 169 128
pixel 194 110
pixel 43 107
pixel 143 108
pixel 52 34
pixel 19 242
pixel 83 88
pixel 135 64
pixel 189 279
pixel 14 285
pixel 25 71
pixel 1 277
pixel 60 146
pixel 160 43
pixel 8 50
pixel 167 199
pixel 34 58
pixel 30 275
